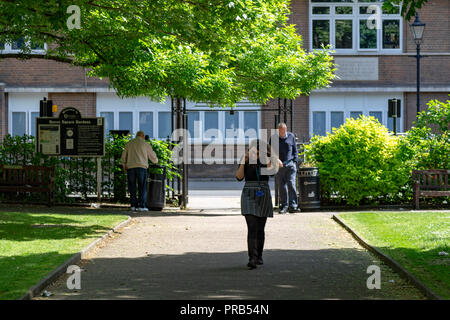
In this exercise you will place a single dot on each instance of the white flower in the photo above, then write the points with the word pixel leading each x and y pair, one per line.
pixel 231 4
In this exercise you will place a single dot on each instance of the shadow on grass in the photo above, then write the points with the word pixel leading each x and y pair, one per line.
pixel 25 226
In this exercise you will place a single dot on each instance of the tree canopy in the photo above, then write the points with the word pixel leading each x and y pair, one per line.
pixel 219 51
pixel 409 7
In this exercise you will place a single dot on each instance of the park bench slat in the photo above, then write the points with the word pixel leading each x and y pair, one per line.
pixel 28 179
pixel 430 183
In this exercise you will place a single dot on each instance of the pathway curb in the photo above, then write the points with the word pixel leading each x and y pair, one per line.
pixel 76 258
pixel 389 261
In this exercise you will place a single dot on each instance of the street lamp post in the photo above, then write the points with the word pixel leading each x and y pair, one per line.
pixel 417 29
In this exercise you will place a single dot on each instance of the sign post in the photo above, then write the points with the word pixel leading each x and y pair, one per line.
pixel 71 135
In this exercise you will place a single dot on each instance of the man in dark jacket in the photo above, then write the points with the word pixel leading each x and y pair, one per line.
pixel 288 154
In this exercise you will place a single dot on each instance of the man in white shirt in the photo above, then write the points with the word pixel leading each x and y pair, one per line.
pixel 134 160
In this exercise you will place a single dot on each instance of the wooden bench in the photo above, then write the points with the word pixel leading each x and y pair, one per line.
pixel 28 179
pixel 429 183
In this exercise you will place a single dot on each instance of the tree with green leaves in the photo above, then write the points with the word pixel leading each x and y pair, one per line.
pixel 219 51
pixel 409 7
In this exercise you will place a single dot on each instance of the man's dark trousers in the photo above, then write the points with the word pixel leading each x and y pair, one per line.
pixel 287 189
pixel 138 175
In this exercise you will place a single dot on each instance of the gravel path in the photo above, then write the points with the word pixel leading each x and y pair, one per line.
pixel 201 254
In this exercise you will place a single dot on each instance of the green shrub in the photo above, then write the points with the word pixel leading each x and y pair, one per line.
pixel 428 141
pixel 79 175
pixel 360 161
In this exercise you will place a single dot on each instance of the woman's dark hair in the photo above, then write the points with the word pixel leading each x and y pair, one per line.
pixel 259 143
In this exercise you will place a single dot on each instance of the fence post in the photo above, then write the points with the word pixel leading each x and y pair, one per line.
pixel 99 179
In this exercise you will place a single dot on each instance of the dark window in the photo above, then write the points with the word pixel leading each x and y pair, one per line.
pixel 344 10
pixel 321 33
pixel 367 35
pixel 321 10
pixel 344 32
pixel 391 34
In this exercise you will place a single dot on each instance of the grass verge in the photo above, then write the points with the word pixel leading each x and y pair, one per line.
pixel 413 239
pixel 32 244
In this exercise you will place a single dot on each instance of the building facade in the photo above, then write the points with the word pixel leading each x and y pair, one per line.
pixel 374 53
pixel 375 56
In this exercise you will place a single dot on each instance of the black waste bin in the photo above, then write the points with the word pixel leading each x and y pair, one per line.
pixel 156 188
pixel 309 188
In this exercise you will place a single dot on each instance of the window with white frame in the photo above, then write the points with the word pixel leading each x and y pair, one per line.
pixel 23 122
pixel 22 113
pixel 154 119
pixel 328 111
pixel 19 44
pixel 134 114
pixel 233 126
pixel 352 26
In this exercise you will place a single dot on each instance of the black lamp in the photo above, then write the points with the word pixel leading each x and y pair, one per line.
pixel 417 29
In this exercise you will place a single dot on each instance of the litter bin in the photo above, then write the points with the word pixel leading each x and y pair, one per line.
pixel 309 188
pixel 156 188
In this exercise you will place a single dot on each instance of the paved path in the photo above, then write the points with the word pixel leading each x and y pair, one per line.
pixel 201 254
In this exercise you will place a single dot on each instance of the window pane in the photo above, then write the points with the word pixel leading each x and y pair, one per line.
pixel 18 123
pixel 34 115
pixel 344 32
pixel 364 10
pixel 337 119
pixel 212 123
pixel 321 10
pixel 395 10
pixel 377 115
pixel 391 34
pixel 164 126
pixel 109 121
pixel 391 124
pixel 321 33
pixel 146 123
pixel 211 120
pixel 37 46
pixel 231 124
pixel 251 121
pixel 251 125
pixel 355 114
pixel 194 123
pixel 344 10
pixel 367 35
pixel 126 121
pixel 18 44
pixel 2 46
pixel 319 123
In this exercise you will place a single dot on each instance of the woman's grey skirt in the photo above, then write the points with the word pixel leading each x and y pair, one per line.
pixel 256 203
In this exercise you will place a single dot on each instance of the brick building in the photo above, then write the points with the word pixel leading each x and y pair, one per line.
pixel 374 65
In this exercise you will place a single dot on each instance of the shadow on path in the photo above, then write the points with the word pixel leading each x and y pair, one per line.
pixel 287 274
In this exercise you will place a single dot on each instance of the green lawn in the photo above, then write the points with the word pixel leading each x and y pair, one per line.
pixel 413 239
pixel 29 251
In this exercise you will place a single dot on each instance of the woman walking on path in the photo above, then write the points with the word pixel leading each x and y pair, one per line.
pixel 256 200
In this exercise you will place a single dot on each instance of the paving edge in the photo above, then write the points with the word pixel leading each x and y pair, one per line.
pixel 76 258
pixel 390 262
